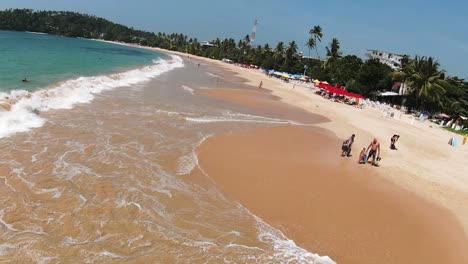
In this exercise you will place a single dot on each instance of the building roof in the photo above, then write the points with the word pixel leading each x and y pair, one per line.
pixel 386 52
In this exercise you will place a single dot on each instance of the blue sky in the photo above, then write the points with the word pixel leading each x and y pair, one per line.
pixel 426 28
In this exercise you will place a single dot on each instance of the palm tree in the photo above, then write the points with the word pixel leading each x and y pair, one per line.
pixel 279 51
pixel 310 44
pixel 334 50
pixel 317 35
pixel 426 81
pixel 292 49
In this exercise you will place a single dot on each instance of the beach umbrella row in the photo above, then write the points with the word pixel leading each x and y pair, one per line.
pixel 288 75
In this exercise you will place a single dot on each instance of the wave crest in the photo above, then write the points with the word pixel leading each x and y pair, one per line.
pixel 19 109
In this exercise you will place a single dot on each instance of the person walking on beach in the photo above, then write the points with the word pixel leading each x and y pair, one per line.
pixel 346 147
pixel 260 85
pixel 393 140
pixel 374 149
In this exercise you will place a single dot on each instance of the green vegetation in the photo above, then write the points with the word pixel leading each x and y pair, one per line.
pixel 430 89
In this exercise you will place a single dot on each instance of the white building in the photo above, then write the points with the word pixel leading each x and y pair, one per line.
pixel 391 59
pixel 207 44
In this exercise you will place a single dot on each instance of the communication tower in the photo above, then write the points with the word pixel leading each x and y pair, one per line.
pixel 254 32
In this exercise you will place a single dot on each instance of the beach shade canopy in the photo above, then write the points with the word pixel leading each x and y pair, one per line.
pixel 316 81
pixel 442 115
pixel 464 118
pixel 325 82
pixel 358 96
pixel 389 94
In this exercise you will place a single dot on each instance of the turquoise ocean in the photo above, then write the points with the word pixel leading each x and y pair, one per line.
pixel 61 72
pixel 45 60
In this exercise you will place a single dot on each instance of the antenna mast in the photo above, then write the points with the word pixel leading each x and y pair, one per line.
pixel 254 32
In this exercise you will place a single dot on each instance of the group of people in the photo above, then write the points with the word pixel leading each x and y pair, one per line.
pixel 371 151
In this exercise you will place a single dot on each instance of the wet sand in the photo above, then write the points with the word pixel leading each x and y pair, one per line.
pixel 329 205
pixel 261 102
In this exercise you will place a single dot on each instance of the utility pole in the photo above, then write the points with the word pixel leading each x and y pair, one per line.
pixel 254 32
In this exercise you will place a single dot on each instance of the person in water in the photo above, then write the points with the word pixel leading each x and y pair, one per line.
pixel 374 152
pixel 393 140
pixel 25 80
pixel 346 147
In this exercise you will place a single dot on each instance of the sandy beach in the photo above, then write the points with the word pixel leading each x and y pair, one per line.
pixel 327 205
pixel 411 209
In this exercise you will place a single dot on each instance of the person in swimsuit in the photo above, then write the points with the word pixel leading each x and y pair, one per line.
pixel 346 147
pixel 374 149
pixel 393 140
pixel 362 156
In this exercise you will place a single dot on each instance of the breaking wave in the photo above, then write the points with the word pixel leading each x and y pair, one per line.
pixel 20 110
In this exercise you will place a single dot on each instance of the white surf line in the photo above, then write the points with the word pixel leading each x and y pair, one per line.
pixel 215 119
pixel 214 75
pixel 188 89
pixel 23 106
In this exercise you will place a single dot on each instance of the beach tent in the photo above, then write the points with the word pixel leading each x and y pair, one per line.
pixel 442 115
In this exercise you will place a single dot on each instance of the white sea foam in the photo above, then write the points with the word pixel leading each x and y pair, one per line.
pixel 22 108
pixel 109 254
pixel 237 117
pixel 4 248
pixel 188 162
pixel 285 249
pixel 6 225
pixel 188 89
pixel 214 75
pixel 37 33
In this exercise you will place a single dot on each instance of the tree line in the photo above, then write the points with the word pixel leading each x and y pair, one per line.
pixel 430 89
